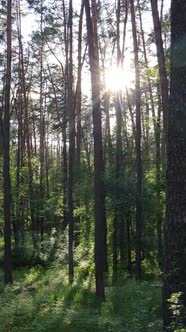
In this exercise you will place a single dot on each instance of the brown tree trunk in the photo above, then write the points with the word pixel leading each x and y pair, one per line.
pixel 94 24
pixel 64 128
pixel 157 129
pixel 28 141
pixel 41 133
pixel 117 211
pixel 65 169
pixel 78 116
pixel 108 143
pixel 175 225
pixel 129 247
pixel 161 62
pixel 138 148
pixel 98 152
pixel 19 163
pixel 6 151
pixel 71 150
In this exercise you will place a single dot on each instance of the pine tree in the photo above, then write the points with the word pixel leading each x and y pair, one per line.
pixel 6 152
pixel 175 226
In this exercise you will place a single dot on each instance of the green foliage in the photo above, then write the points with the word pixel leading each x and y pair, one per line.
pixel 135 304
pixel 16 309
pixel 42 300
pixel 177 310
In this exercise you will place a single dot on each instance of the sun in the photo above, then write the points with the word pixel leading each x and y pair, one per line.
pixel 117 79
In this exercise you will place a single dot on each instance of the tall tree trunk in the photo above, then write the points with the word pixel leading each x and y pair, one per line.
pixel 41 132
pixel 118 209
pixel 98 152
pixel 19 110
pixel 96 49
pixel 64 128
pixel 78 116
pixel 146 61
pixel 138 148
pixel 175 225
pixel 161 63
pixel 6 151
pixel 71 150
pixel 108 142
pixel 129 250
pixel 24 101
pixel 157 129
pixel 65 168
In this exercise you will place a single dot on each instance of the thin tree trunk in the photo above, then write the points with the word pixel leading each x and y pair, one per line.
pixel 98 152
pixel 138 148
pixel 118 209
pixel 146 61
pixel 78 115
pixel 6 151
pixel 161 63
pixel 108 142
pixel 71 150
pixel 129 249
pixel 64 128
pixel 157 129
pixel 158 180
pixel 41 133
pixel 28 143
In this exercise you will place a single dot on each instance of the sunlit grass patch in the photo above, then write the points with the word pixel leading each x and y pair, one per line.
pixel 43 301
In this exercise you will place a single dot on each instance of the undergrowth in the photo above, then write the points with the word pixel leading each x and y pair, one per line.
pixel 41 300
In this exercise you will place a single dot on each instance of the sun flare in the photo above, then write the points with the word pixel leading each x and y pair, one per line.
pixel 117 79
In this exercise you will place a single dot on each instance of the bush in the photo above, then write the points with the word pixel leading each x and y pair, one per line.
pixel 43 301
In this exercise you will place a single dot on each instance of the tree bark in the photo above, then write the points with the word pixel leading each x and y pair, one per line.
pixel 78 116
pixel 138 148
pixel 6 151
pixel 41 132
pixel 64 129
pixel 175 225
pixel 117 220
pixel 161 63
pixel 71 150
pixel 157 130
pixel 98 152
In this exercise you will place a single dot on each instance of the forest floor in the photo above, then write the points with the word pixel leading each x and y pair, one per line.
pixel 41 300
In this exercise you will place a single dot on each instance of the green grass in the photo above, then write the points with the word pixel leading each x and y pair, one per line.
pixel 41 300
